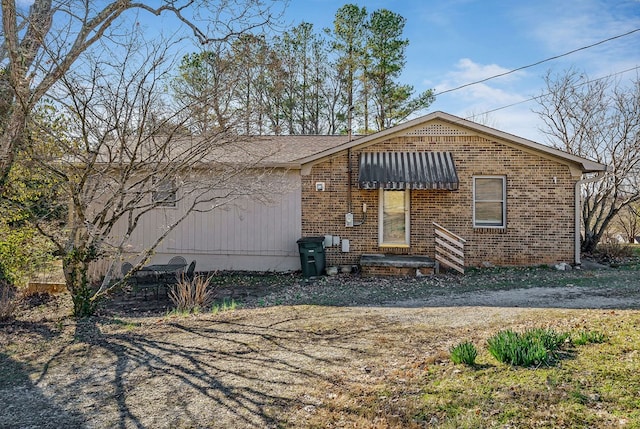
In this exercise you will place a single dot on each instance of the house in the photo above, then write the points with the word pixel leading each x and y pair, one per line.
pixel 449 189
pixel 436 188
pixel 246 233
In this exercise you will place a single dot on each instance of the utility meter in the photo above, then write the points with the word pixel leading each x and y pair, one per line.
pixel 348 219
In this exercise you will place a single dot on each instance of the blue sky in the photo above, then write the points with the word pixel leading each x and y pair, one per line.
pixel 454 42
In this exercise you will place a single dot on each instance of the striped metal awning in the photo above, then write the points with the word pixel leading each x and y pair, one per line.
pixel 407 170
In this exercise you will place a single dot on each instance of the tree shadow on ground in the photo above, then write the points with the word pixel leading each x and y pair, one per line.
pixel 25 405
pixel 202 373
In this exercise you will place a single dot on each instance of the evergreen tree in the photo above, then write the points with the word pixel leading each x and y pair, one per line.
pixel 349 43
pixel 386 52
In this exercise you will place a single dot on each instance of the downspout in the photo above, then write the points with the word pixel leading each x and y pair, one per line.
pixel 349 183
pixel 349 171
pixel 577 198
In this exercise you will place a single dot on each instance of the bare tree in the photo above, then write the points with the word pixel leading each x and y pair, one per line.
pixel 597 119
pixel 628 222
pixel 483 118
pixel 42 42
pixel 122 153
pixel 205 89
pixel 249 57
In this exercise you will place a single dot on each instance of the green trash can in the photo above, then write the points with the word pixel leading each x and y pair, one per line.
pixel 312 257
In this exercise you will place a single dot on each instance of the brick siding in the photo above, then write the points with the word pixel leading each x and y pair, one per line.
pixel 540 213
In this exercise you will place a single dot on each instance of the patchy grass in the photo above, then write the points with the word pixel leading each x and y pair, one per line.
pixel 224 305
pixel 322 366
pixel 598 387
pixel 354 290
pixel 588 337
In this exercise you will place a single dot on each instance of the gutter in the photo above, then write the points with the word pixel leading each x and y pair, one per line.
pixel 577 198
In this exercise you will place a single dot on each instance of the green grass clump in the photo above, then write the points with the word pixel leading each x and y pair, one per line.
pixel 596 388
pixel 465 353
pixel 224 305
pixel 549 338
pixel 533 347
pixel 589 337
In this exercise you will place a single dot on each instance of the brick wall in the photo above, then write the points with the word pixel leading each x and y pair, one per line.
pixel 540 213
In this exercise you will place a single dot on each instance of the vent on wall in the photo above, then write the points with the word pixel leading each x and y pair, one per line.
pixel 437 130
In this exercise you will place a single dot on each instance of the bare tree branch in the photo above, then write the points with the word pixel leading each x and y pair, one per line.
pixel 597 119
pixel 117 149
pixel 41 45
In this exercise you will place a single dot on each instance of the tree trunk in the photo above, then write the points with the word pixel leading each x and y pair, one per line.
pixel 76 267
pixel 12 133
pixel 589 242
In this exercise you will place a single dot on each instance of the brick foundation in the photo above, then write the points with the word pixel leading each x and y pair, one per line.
pixel 371 271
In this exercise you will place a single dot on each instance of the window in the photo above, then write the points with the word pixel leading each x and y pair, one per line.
pixel 164 194
pixel 394 218
pixel 489 202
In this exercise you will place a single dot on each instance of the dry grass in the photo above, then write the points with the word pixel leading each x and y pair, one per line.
pixel 192 295
pixel 314 366
pixel 8 301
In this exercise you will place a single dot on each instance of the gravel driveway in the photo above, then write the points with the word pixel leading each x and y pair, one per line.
pixel 536 297
pixel 594 286
pixel 297 346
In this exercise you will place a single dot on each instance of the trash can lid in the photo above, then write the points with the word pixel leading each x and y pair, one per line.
pixel 311 239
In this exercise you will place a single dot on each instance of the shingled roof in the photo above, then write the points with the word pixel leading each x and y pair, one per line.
pixel 282 151
pixel 288 150
pixel 303 151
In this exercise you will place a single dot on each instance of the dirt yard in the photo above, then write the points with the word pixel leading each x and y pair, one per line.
pixel 294 350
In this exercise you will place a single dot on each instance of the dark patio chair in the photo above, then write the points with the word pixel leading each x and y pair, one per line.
pixel 190 271
pixel 178 260
pixel 140 282
pixel 126 268
pixel 172 277
pixel 130 284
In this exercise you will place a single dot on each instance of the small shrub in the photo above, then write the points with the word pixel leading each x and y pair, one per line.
pixel 531 348
pixel 589 337
pixel 191 296
pixel 465 353
pixel 613 251
pixel 8 301
pixel 23 253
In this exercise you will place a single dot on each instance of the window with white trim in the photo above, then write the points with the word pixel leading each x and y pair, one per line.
pixel 489 202
pixel 394 218
pixel 164 194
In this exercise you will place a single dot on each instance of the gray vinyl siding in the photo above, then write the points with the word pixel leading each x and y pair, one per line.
pixel 245 235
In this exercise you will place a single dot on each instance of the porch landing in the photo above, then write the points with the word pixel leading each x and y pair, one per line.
pixel 379 264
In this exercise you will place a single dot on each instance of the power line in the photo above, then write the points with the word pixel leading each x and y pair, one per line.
pixel 538 62
pixel 542 95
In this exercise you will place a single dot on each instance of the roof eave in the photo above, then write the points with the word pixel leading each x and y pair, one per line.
pixel 585 165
